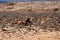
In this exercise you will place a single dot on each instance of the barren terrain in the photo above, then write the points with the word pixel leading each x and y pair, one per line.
pixel 44 24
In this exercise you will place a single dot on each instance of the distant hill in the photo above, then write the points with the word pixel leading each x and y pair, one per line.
pixel 31 0
pixel 4 1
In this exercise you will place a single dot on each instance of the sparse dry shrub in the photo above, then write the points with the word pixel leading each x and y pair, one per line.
pixel 29 9
pixel 11 4
pixel 9 7
pixel 55 9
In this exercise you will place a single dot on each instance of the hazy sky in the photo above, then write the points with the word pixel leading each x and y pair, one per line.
pixel 28 0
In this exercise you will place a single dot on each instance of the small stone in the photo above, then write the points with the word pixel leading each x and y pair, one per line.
pixel 28 26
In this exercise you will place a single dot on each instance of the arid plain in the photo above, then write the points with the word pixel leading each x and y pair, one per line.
pixel 43 23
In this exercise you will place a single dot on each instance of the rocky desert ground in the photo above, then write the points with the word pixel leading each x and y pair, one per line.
pixel 30 21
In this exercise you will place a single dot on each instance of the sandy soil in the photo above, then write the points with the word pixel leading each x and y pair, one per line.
pixel 30 36
pixel 26 6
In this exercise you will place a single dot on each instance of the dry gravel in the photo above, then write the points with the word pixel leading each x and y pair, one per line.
pixel 46 26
